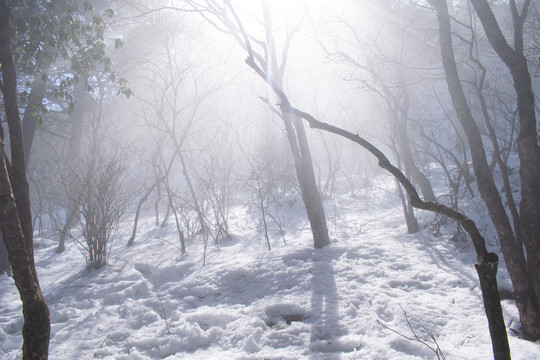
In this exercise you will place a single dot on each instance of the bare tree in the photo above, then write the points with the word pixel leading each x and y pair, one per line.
pixel 266 182
pixel 527 295
pixel 225 18
pixel 98 191
pixel 497 154
pixel 383 72
pixel 519 265
pixel 172 113
pixel 487 262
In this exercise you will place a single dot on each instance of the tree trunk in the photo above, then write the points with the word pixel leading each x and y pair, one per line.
pixel 77 118
pixel 296 134
pixel 528 150
pixel 5 267
pixel 511 249
pixel 138 211
pixel 71 220
pixel 487 262
pixel 17 170
pixel 32 112
pixel 401 114
pixel 306 179
pixel 36 329
pixel 410 218
pixel 498 158
pixel 398 108
pixel 15 214
pixel 29 123
pixel 196 205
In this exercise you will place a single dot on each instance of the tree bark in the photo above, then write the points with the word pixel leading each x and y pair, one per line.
pixel 15 214
pixel 36 329
pixel 17 170
pixel 408 212
pixel 5 267
pixel 31 113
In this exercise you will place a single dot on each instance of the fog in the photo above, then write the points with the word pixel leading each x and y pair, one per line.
pixel 189 121
pixel 184 110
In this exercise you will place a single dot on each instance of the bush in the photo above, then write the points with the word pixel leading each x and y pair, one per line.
pixel 99 192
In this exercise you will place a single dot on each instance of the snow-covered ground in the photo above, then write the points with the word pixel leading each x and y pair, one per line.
pixel 346 301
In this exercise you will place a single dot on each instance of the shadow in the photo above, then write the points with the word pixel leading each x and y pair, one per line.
pixel 325 328
pixel 452 262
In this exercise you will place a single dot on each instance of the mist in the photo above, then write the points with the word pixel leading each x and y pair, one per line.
pixel 207 119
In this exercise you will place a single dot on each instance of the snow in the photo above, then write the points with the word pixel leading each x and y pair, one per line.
pixel 348 300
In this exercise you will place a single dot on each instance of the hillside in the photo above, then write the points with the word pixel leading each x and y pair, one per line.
pixel 346 301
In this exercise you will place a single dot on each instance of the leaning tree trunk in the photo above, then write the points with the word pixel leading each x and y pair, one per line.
pixel 15 214
pixel 528 151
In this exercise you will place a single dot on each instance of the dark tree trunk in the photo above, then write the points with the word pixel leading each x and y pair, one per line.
pixel 5 267
pixel 511 248
pixel 32 113
pixel 528 151
pixel 29 123
pixel 17 170
pixel 487 272
pixel 15 214
pixel 36 329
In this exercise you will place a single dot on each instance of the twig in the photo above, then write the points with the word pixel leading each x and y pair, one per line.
pixel 160 300
pixel 437 350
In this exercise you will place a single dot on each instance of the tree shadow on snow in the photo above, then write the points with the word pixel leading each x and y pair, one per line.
pixel 325 328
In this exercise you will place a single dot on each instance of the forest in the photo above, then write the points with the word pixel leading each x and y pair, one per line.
pixel 257 179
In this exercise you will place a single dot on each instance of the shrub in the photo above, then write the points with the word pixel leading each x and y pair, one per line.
pixel 99 192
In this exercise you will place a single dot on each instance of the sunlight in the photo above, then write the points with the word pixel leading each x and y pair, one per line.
pixel 291 21
pixel 296 28
pixel 193 220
